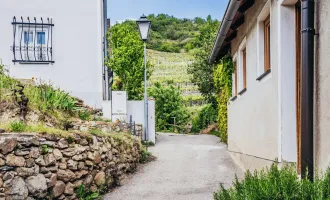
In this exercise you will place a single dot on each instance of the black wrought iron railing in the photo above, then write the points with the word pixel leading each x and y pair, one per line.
pixel 32 41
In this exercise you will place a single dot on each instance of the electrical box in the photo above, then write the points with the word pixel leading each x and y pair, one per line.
pixel 119 106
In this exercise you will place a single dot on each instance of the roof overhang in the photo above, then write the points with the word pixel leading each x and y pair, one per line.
pixel 233 18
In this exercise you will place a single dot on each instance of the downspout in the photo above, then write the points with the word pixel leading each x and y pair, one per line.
pixel 307 89
pixel 225 25
pixel 105 43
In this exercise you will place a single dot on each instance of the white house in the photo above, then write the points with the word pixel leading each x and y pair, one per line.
pixel 280 104
pixel 60 41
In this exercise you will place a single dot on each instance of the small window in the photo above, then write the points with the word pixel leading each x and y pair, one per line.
pixel 267 44
pixel 236 80
pixel 244 68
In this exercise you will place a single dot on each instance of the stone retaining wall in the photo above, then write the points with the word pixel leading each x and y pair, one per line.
pixel 51 167
pixel 107 127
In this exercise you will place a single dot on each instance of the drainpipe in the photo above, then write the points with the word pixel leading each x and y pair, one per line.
pixel 105 43
pixel 307 89
pixel 225 25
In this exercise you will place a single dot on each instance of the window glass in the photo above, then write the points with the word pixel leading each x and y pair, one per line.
pixel 28 37
pixel 41 38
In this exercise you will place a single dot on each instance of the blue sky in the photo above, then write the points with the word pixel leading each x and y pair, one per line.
pixel 133 9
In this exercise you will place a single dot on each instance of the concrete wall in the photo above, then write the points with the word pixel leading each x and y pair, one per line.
pixel 77 44
pixel 262 121
pixel 136 110
pixel 322 85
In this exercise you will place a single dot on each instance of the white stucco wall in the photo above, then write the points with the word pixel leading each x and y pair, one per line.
pixel 261 121
pixel 322 85
pixel 77 44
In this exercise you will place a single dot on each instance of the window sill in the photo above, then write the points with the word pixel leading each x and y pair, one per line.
pixel 264 75
pixel 30 62
pixel 233 98
pixel 242 92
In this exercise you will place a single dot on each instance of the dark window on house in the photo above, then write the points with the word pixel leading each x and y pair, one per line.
pixel 267 43
pixel 244 68
pixel 32 40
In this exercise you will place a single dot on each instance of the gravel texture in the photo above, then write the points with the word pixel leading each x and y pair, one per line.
pixel 188 167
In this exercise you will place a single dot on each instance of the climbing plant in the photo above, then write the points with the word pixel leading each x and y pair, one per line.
pixel 222 76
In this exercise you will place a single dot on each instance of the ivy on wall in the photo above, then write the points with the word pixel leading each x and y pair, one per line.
pixel 223 83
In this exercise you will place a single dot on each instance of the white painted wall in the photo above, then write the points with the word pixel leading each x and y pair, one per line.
pixel 77 44
pixel 261 121
pixel 136 110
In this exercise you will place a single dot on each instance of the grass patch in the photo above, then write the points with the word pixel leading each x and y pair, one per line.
pixel 17 126
pixel 275 183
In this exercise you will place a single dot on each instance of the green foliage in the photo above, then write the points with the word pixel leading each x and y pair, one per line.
pixel 46 97
pixel 145 154
pixel 127 59
pixel 275 183
pixel 96 131
pixel 82 194
pixel 205 117
pixel 147 143
pixel 168 105
pixel 84 115
pixel 6 84
pixel 223 84
pixel 45 149
pixel 17 126
pixel 200 69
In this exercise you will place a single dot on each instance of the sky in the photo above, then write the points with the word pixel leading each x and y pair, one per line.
pixel 119 10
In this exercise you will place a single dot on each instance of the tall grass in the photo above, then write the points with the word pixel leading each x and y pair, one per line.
pixel 276 184
pixel 46 97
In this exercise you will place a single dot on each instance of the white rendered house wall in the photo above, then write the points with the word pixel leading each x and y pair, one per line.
pixel 76 44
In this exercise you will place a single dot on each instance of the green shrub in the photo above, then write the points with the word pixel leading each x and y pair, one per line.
pixel 46 97
pixel 83 194
pixel 45 149
pixel 96 131
pixel 84 115
pixel 17 126
pixel 145 155
pixel 275 183
pixel 206 116
pixel 168 106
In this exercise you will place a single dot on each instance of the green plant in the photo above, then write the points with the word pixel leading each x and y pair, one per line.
pixel 17 126
pixel 45 149
pixel 145 155
pixel 127 59
pixel 148 143
pixel 277 184
pixel 82 194
pixel 206 116
pixel 169 107
pixel 223 84
pixel 70 139
pixel 96 131
pixel 84 115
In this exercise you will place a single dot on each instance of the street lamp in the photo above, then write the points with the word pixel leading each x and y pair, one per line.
pixel 144 27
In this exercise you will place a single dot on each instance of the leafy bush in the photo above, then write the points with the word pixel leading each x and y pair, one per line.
pixel 17 126
pixel 96 131
pixel 275 183
pixel 223 84
pixel 84 115
pixel 168 105
pixel 46 97
pixel 205 117
pixel 144 155
pixel 82 194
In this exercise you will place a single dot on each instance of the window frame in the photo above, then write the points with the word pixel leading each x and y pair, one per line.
pixel 267 45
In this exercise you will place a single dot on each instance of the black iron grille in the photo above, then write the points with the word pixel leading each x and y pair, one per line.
pixel 33 41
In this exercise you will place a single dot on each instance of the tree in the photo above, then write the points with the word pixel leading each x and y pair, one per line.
pixel 201 69
pixel 127 59
pixel 169 104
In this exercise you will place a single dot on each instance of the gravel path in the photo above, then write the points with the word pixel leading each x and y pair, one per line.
pixel 187 167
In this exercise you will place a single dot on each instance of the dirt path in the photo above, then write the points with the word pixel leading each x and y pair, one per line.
pixel 187 168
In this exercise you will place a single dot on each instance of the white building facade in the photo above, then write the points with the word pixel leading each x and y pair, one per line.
pixel 264 114
pixel 60 42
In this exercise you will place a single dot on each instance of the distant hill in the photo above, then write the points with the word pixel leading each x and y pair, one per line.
pixel 171 34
